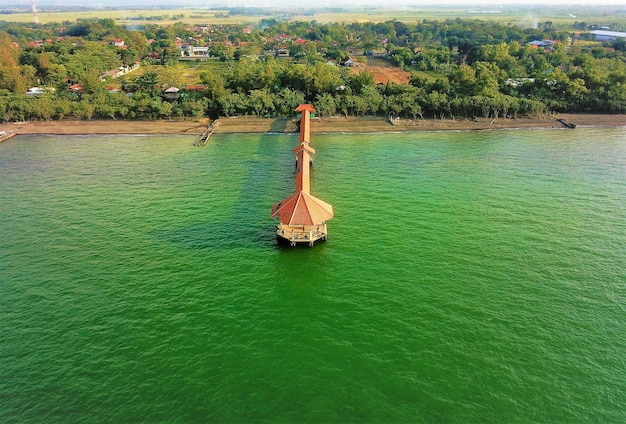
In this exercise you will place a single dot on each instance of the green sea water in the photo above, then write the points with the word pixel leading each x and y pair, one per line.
pixel 472 277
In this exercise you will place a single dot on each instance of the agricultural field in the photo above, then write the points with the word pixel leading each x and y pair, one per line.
pixel 614 16
pixel 132 17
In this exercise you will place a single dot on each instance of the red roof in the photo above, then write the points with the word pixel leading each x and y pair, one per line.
pixel 305 106
pixel 195 88
pixel 302 209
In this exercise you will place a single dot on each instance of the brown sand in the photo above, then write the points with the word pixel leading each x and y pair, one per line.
pixel 249 124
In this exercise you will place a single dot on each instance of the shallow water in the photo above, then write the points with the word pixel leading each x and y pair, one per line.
pixel 468 277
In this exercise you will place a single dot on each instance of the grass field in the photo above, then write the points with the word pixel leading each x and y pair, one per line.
pixel 615 16
pixel 186 72
pixel 135 17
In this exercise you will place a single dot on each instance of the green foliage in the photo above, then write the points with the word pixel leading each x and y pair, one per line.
pixel 459 68
pixel 11 78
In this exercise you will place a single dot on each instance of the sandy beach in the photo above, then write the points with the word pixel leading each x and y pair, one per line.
pixel 252 124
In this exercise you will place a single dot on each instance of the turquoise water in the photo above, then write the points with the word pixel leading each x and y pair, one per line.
pixel 468 277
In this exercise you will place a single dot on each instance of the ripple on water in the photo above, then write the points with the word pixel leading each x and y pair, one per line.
pixel 468 277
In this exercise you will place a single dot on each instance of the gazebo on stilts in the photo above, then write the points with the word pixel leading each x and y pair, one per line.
pixel 302 217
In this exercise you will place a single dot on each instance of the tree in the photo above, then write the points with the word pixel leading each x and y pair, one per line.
pixel 322 78
pixel 91 82
pixel 138 42
pixel 325 105
pixel 261 101
pixel 147 82
pixel 437 103
pixel 195 108
pixel 171 76
pixel 215 85
pixel 359 104
pixel 464 81
pixel 90 56
pixel 166 110
pixel 372 97
pixel 288 100
pixel 360 80
pixel 344 102
pixel 616 98
pixel 487 75
pixel 84 109
pixel 10 76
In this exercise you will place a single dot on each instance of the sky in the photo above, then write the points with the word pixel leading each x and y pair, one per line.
pixel 321 3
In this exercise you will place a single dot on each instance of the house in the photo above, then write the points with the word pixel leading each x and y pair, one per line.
pixel 516 82
pixel 349 63
pixel 608 35
pixel 545 44
pixel 172 93
pixel 35 91
pixel 283 37
pixel 193 51
pixel 282 53
pixel 195 88
pixel 118 42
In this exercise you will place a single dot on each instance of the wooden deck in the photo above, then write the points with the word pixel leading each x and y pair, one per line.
pixel 204 138
pixel 567 124
pixel 302 234
pixel 7 136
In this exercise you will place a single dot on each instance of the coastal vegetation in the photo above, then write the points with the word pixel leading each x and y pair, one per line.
pixel 104 69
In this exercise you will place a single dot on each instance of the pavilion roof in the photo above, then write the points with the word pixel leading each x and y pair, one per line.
pixel 302 209
pixel 305 106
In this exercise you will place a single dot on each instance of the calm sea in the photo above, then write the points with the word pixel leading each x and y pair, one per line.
pixel 472 277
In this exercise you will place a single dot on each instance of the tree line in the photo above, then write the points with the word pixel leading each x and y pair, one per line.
pixel 459 68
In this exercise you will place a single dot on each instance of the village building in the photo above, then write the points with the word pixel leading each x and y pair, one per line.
pixel 188 52
pixel 602 35
pixel 172 93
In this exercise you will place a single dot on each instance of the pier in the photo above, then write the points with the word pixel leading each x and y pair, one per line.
pixel 302 217
pixel 4 136
pixel 567 124
pixel 204 138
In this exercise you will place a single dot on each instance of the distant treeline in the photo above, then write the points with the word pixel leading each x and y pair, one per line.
pixel 459 68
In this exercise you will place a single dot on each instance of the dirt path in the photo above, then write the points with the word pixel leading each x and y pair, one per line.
pixel 250 124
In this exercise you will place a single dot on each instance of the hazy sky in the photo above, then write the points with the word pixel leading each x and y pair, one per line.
pixel 319 3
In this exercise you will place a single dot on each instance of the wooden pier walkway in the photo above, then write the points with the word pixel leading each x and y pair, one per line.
pixel 567 124
pixel 302 217
pixel 204 138
pixel 7 136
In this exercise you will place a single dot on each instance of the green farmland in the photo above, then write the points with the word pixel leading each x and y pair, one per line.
pixel 613 16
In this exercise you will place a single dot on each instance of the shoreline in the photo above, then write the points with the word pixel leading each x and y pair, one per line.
pixel 337 124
